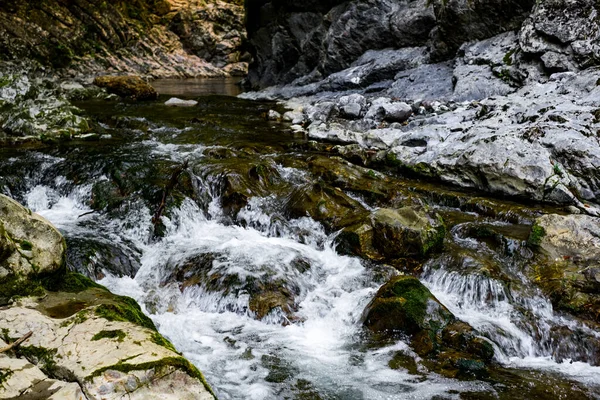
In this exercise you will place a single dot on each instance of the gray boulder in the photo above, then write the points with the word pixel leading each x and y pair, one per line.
pixel 29 244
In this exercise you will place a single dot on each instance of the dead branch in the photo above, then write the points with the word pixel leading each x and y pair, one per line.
pixel 170 186
pixel 17 342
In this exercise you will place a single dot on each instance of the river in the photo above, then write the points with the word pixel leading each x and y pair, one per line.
pixel 196 272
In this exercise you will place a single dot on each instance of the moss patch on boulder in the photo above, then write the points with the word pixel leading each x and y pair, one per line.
pixel 132 87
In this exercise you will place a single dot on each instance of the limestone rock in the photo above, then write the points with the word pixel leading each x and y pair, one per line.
pixel 23 379
pixel 175 102
pixel 29 244
pixel 132 87
pixel 108 358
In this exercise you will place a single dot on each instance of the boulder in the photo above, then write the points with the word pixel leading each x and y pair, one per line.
pixel 29 244
pixel 97 347
pixel 406 232
pixel 568 263
pixel 405 307
pixel 132 87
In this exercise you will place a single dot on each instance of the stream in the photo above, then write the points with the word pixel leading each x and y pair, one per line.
pixel 230 233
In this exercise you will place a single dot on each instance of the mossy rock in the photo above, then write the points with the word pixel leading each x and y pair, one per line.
pixel 405 306
pixel 406 232
pixel 132 87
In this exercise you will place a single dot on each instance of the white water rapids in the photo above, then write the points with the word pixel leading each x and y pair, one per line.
pixel 240 355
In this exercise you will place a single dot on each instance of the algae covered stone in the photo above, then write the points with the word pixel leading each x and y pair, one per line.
pixel 132 87
pixel 567 266
pixel 404 305
pixel 406 232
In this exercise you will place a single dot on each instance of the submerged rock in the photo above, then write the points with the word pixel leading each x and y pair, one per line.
pixel 132 87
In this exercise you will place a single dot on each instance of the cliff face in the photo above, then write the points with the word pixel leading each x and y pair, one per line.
pixel 290 41
pixel 157 38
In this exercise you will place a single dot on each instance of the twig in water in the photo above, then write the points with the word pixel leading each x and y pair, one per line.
pixel 172 183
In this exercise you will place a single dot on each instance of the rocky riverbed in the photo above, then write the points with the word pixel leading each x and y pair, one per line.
pixel 407 208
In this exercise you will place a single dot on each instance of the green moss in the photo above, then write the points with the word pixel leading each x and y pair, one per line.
pixel 116 334
pixel 434 239
pixel 14 286
pixel 415 296
pixel 175 362
pixel 536 235
pixel 126 310
pixel 162 341
pixel 26 245
pixel 5 374
pixel 403 360
pixel 508 57
pixel 68 281
pixel 41 356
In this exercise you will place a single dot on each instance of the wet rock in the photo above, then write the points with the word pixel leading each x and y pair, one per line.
pixel 260 292
pixel 29 244
pixel 132 87
pixel 347 176
pixel 34 109
pixel 175 102
pixel 405 306
pixel 94 258
pixel 406 232
pixel 325 204
pixel 273 115
pixel 569 265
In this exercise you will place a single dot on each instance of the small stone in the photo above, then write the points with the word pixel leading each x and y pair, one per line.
pixel 273 115
pixel 175 102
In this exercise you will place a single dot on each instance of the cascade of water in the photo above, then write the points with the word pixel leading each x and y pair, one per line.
pixel 197 282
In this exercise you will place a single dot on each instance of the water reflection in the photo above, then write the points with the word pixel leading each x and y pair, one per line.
pixel 228 86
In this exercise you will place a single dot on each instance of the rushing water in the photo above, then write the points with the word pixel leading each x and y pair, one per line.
pixel 323 352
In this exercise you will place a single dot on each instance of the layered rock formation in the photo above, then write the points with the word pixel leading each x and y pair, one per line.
pixel 315 39
pixel 156 38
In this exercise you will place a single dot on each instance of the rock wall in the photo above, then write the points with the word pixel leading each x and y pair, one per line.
pixel 290 41
pixel 156 38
